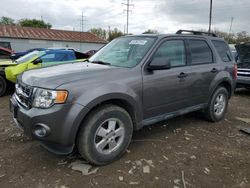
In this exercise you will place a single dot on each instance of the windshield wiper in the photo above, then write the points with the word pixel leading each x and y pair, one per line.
pixel 100 62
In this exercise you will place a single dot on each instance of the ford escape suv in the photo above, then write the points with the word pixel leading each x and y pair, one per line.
pixel 132 82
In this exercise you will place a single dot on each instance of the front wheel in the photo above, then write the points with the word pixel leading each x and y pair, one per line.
pixel 3 86
pixel 217 105
pixel 105 134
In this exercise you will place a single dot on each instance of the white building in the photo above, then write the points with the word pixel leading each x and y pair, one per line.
pixel 24 38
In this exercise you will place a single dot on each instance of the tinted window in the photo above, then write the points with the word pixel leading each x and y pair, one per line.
pixel 223 50
pixel 174 51
pixel 200 52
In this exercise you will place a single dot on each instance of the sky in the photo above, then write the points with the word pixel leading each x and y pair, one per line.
pixel 165 16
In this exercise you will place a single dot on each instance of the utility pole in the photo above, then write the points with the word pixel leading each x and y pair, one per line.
pixel 82 23
pixel 128 5
pixel 210 15
pixel 109 32
pixel 231 25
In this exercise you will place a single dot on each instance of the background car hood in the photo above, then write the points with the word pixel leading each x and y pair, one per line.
pixel 244 55
pixel 54 76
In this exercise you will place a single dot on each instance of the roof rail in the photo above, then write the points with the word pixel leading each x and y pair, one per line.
pixel 196 32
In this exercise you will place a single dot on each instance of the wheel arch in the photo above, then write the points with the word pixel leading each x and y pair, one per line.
pixel 125 102
pixel 223 83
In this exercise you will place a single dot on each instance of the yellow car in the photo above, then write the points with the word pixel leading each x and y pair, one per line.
pixel 36 59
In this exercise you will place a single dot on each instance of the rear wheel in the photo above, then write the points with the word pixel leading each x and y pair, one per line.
pixel 105 134
pixel 217 106
pixel 3 86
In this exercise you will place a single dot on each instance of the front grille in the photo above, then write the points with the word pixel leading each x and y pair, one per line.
pixel 243 72
pixel 23 95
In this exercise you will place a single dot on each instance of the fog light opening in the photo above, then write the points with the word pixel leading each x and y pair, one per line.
pixel 41 130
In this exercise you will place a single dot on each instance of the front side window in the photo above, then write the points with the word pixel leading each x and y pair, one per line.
pixel 223 50
pixel 172 51
pixel 124 52
pixel 200 52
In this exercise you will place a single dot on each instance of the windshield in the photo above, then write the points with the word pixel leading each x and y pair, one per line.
pixel 124 52
pixel 58 55
pixel 29 56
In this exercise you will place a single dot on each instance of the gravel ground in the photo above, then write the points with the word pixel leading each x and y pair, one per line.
pixel 183 152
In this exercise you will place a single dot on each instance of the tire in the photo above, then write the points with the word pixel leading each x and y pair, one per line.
pixel 96 141
pixel 3 86
pixel 217 105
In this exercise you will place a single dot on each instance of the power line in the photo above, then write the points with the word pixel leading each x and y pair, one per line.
pixel 128 5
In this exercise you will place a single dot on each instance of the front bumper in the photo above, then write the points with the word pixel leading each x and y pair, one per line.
pixel 243 81
pixel 62 120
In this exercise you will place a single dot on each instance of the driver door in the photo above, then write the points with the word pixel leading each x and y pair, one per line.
pixel 165 91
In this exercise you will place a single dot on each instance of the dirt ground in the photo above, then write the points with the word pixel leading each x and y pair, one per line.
pixel 183 152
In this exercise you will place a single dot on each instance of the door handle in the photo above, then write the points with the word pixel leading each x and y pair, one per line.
pixel 214 70
pixel 182 75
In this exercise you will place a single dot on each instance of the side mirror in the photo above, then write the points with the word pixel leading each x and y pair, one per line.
pixel 37 61
pixel 159 64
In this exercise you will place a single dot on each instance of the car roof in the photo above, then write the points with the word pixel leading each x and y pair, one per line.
pixel 160 36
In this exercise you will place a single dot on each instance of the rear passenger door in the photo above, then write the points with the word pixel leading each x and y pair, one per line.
pixel 203 69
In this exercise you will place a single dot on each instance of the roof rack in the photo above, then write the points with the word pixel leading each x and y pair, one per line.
pixel 196 33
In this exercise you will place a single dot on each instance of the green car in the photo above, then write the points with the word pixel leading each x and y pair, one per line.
pixel 36 59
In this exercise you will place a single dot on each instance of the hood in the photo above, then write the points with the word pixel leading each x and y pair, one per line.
pixel 54 76
pixel 243 51
pixel 7 63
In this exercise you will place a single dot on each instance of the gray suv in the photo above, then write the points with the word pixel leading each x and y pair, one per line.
pixel 132 82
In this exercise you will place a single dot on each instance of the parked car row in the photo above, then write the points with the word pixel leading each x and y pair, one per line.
pixel 132 82
pixel 9 70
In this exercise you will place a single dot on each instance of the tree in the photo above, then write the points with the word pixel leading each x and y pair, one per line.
pixel 34 23
pixel 242 37
pixel 232 38
pixel 229 37
pixel 6 21
pixel 114 34
pixel 151 31
pixel 101 33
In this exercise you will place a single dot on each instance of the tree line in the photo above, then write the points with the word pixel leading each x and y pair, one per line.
pixel 232 38
pixel 25 22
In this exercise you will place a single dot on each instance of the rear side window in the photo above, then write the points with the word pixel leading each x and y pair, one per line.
pixel 200 52
pixel 223 50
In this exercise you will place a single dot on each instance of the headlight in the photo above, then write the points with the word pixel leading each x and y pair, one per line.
pixel 46 98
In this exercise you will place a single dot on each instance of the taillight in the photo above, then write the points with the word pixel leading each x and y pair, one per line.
pixel 235 71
